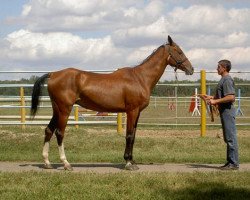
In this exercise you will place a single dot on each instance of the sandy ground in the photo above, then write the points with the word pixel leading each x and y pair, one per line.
pixel 114 168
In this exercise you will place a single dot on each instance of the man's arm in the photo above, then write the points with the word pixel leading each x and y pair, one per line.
pixel 226 99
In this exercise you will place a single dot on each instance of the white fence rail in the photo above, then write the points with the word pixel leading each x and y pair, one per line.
pixel 165 111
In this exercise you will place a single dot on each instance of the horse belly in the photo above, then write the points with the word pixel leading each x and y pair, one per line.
pixel 102 104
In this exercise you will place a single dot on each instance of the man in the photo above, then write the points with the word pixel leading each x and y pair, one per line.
pixel 224 98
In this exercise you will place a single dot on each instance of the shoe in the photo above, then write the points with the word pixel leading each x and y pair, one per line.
pixel 229 166
pixel 225 165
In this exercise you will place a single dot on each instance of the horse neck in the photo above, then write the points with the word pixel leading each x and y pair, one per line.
pixel 151 70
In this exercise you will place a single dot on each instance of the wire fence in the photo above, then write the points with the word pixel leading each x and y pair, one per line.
pixel 171 109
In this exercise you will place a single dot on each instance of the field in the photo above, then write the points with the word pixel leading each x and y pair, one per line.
pixel 103 144
pixel 158 186
pixel 100 143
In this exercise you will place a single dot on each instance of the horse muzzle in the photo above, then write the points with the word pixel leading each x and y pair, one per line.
pixel 189 71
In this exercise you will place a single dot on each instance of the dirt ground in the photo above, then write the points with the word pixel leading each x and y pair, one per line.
pixel 186 133
pixel 114 168
pixel 165 133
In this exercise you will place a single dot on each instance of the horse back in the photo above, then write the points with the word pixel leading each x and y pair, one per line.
pixel 117 91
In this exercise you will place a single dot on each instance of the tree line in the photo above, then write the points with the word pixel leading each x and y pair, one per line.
pixel 168 88
pixel 189 89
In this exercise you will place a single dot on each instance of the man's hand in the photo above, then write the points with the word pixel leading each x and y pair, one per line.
pixel 205 97
pixel 209 100
pixel 212 102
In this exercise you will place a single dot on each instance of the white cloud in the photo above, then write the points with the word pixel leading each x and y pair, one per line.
pixel 138 55
pixel 109 34
pixel 237 39
pixel 154 33
pixel 26 10
pixel 198 26
pixel 238 55
pixel 56 48
pixel 208 58
pixel 47 15
pixel 209 20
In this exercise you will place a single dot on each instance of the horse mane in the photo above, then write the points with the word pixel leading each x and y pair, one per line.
pixel 154 51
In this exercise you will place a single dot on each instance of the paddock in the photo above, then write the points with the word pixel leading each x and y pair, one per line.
pixel 170 110
pixel 163 140
pixel 161 120
pixel 170 162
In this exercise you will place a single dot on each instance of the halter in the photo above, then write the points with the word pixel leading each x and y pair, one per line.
pixel 178 62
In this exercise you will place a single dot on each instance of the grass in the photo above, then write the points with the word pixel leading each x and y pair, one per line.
pixel 33 185
pixel 103 144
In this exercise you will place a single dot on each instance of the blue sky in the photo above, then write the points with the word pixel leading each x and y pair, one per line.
pixel 10 8
pixel 51 35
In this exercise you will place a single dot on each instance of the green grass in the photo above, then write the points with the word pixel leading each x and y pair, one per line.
pixel 125 185
pixel 102 144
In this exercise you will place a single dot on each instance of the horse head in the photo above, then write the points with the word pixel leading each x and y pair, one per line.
pixel 177 58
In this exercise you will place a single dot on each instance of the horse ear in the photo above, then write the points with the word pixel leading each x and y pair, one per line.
pixel 170 41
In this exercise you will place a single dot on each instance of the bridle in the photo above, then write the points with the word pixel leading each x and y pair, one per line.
pixel 178 62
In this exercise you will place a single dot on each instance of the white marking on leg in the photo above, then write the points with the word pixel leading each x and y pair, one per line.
pixel 128 164
pixel 62 155
pixel 46 153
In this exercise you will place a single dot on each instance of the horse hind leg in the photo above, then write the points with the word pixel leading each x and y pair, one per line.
pixel 48 134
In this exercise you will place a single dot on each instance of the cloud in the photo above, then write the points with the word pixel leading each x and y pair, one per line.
pixel 86 15
pixel 208 58
pixel 208 20
pixel 198 26
pixel 56 49
pixel 153 33
pixel 109 34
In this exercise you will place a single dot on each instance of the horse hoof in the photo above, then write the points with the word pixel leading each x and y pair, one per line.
pixel 131 167
pixel 48 166
pixel 68 168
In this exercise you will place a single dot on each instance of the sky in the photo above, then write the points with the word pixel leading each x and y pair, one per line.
pixel 49 35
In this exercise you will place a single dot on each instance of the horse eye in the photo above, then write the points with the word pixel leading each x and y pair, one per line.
pixel 180 52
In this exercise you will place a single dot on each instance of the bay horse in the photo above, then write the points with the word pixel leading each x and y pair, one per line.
pixel 125 90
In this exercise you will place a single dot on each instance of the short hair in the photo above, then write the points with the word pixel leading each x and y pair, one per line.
pixel 226 64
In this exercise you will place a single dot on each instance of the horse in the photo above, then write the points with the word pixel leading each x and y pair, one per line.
pixel 126 90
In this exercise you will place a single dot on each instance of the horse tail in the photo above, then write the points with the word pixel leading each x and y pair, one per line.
pixel 36 93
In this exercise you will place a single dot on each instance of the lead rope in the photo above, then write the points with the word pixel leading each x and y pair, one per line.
pixel 175 74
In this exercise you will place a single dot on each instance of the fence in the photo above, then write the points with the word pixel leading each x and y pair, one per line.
pixel 22 103
pixel 170 110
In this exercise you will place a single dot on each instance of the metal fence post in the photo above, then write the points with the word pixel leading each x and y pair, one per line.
pixel 203 104
pixel 22 109
pixel 119 123
pixel 76 112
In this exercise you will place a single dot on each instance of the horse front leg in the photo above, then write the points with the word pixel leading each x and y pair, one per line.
pixel 132 119
pixel 62 155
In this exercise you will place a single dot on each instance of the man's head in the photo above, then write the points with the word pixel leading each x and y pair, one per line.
pixel 225 64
